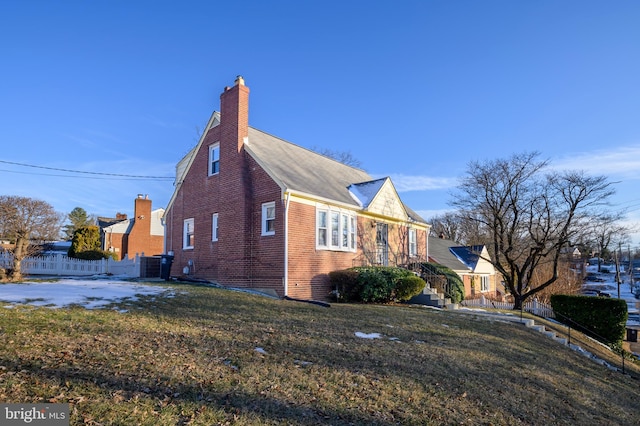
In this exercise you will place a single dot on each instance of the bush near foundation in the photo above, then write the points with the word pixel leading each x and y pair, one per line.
pixel 375 284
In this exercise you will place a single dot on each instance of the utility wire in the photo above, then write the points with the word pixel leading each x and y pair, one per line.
pixel 90 173
pixel 74 177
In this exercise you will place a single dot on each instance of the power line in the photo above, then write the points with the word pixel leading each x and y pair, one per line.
pixel 89 173
pixel 71 176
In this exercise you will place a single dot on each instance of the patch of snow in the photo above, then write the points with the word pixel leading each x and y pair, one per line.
pixel 368 336
pixel 90 294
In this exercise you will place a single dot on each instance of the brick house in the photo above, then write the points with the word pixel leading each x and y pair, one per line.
pixel 143 234
pixel 252 210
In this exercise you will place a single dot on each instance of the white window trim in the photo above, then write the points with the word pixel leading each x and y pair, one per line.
pixel 413 242
pixel 347 222
pixel 485 283
pixel 265 219
pixel 214 227
pixel 325 228
pixel 212 149
pixel 185 230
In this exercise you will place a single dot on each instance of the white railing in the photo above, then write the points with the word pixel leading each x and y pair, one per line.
pixel 63 265
pixel 537 308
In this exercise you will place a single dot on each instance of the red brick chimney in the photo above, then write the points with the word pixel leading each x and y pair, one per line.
pixel 235 218
pixel 234 113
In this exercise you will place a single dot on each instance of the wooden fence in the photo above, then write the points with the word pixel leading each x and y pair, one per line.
pixel 537 308
pixel 62 265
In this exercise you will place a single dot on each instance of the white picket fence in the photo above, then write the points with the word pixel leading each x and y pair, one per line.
pixel 537 308
pixel 59 264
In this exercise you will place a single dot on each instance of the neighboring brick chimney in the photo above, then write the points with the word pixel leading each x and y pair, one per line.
pixel 139 238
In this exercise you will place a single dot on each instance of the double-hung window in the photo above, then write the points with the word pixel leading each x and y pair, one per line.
pixel 335 229
pixel 484 283
pixel 322 228
pixel 214 227
pixel 188 234
pixel 413 246
pixel 269 218
pixel 214 159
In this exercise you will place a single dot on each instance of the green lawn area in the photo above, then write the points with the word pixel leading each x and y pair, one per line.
pixel 210 356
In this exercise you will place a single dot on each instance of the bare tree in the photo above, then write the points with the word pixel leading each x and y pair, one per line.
pixel 26 222
pixel 446 226
pixel 460 228
pixel 606 230
pixel 530 214
pixel 345 157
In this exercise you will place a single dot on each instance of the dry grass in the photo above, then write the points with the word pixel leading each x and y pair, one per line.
pixel 192 359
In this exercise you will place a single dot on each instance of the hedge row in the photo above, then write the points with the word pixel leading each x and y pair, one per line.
pixel 375 284
pixel 602 318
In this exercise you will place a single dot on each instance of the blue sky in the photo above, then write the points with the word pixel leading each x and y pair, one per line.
pixel 413 89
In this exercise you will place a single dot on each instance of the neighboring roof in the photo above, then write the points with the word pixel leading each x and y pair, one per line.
pixel 104 222
pixel 118 227
pixel 468 254
pixel 123 226
pixel 461 259
pixel 439 252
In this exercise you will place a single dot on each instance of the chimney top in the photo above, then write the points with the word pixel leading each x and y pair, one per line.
pixel 239 81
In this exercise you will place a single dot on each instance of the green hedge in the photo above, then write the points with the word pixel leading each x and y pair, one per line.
pixel 375 284
pixel 602 318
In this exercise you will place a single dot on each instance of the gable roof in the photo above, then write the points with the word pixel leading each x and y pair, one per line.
pixel 468 254
pixel 299 170
pixel 303 171
pixel 439 253
pixel 461 259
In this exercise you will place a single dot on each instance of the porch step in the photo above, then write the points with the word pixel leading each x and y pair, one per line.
pixel 430 297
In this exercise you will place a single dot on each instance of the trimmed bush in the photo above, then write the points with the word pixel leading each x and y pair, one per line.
pixel 94 255
pixel 375 284
pixel 346 285
pixel 408 286
pixel 602 318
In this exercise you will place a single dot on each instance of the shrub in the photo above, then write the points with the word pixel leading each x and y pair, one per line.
pixel 408 286
pixel 94 255
pixel 375 284
pixel 346 285
pixel 375 287
pixel 602 318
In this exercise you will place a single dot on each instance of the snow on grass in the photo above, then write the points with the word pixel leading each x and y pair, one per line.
pixel 91 294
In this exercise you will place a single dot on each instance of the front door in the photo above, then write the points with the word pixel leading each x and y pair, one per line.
pixel 382 244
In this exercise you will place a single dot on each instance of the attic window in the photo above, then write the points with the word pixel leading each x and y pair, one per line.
pixel 214 159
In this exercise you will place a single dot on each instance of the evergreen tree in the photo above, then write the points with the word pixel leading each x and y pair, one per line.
pixel 86 238
pixel 78 218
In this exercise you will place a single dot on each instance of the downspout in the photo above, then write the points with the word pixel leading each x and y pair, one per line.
pixel 286 244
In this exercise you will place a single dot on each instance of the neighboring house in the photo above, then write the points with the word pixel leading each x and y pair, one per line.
pixel 470 263
pixel 253 210
pixel 144 234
